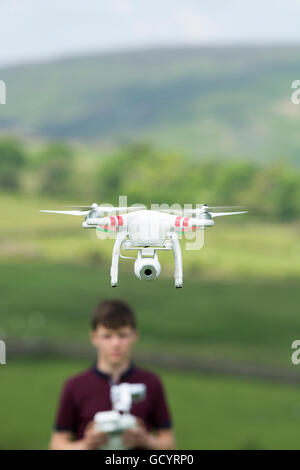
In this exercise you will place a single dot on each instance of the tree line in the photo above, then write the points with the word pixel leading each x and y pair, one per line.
pixel 148 175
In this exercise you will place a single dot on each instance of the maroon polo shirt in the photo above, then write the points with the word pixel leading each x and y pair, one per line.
pixel 89 392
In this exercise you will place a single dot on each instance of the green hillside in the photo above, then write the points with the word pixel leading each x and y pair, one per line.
pixel 225 101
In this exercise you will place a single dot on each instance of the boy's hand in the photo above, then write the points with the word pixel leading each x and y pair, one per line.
pixel 137 436
pixel 94 439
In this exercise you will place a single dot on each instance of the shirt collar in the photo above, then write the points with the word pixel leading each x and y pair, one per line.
pixel 108 377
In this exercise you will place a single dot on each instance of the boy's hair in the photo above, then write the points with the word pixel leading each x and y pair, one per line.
pixel 113 314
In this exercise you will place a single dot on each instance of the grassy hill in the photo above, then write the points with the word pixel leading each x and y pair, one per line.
pixel 221 101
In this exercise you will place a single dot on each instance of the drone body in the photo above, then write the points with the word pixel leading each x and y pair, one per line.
pixel 146 231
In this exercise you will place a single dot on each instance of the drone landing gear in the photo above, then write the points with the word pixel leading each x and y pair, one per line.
pixel 115 258
pixel 177 261
pixel 173 245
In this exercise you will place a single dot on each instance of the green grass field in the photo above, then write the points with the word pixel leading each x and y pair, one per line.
pixel 239 303
pixel 246 321
pixel 208 413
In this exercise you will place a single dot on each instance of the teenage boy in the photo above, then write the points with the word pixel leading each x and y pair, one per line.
pixel 113 334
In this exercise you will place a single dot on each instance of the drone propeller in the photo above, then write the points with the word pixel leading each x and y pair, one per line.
pixel 81 210
pixel 105 209
pixel 206 208
pixel 221 214
pixel 83 207
pixel 203 210
pixel 86 210
pixel 82 213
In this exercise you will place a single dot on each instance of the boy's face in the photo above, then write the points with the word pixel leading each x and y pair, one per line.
pixel 114 345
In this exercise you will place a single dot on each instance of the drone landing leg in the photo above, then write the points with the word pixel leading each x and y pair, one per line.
pixel 115 259
pixel 177 261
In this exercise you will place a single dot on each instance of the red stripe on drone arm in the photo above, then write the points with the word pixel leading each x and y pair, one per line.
pixel 186 221
pixel 120 219
pixel 177 221
pixel 112 221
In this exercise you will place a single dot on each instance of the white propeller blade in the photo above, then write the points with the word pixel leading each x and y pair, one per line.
pixel 106 209
pixel 68 212
pixel 220 214
pixel 118 209
pixel 200 210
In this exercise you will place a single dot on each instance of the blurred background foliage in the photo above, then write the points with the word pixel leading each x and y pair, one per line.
pixel 270 192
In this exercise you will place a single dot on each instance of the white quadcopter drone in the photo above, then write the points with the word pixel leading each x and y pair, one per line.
pixel 146 231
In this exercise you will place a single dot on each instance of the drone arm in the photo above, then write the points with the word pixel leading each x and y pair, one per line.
pixel 181 223
pixel 114 220
pixel 98 221
pixel 198 222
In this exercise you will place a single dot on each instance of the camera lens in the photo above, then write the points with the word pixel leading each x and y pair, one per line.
pixel 148 272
